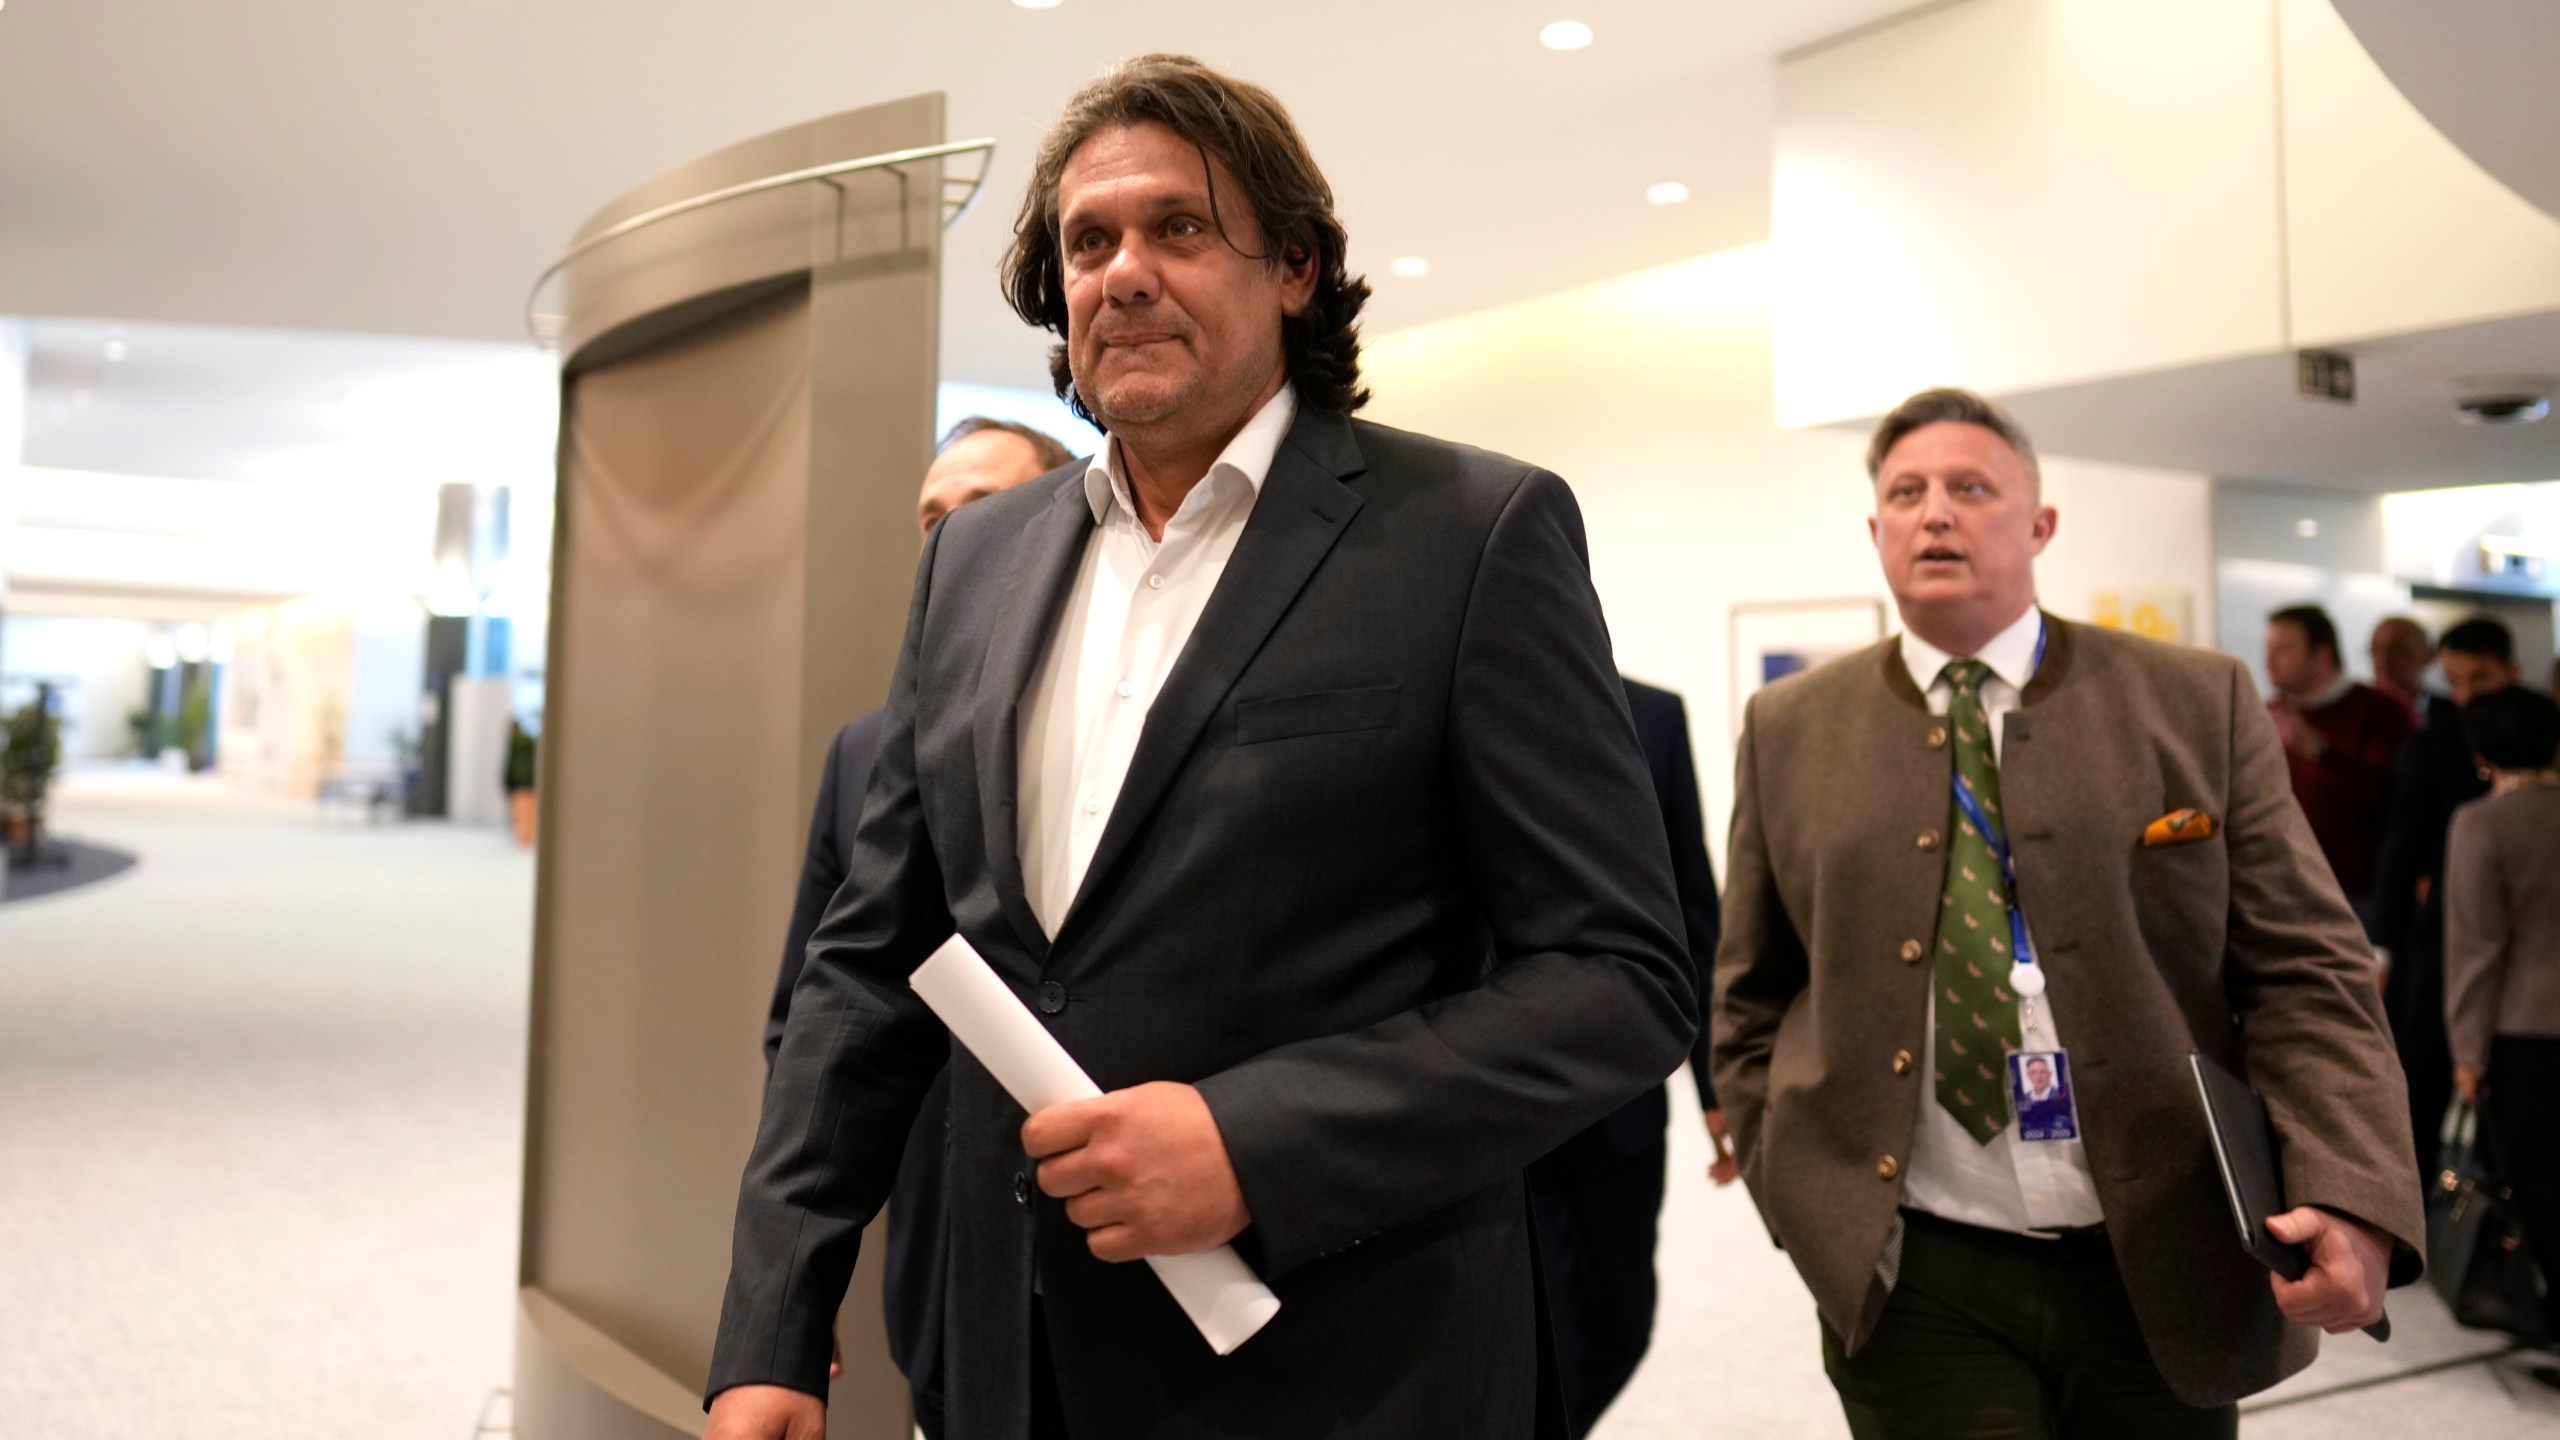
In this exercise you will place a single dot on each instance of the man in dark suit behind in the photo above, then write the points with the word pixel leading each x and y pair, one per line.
pixel 1598 1196
pixel 1278 760
pixel 977 458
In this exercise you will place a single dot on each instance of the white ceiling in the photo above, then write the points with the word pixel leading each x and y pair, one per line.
pixel 2244 420
pixel 2482 72
pixel 407 169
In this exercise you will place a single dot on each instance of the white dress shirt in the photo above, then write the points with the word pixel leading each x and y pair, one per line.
pixel 2007 1184
pixel 1130 612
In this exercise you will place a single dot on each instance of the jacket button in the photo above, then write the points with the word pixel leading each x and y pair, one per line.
pixel 1928 840
pixel 1910 952
pixel 1053 997
pixel 1021 1187
pixel 1901 1062
pixel 1937 737
pixel 1887 1167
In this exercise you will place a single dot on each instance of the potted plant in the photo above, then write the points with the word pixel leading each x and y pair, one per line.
pixel 522 805
pixel 33 752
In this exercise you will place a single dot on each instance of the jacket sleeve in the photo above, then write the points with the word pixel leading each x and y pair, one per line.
pixel 2301 981
pixel 1761 968
pixel 821 872
pixel 2475 937
pixel 857 1056
pixel 1588 999
pixel 1694 874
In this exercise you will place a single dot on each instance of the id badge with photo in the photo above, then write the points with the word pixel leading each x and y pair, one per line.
pixel 2040 1095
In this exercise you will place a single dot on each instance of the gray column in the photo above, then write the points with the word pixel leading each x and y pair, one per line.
pixel 747 411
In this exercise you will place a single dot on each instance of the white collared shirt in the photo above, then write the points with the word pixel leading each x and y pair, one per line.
pixel 1130 612
pixel 2007 1184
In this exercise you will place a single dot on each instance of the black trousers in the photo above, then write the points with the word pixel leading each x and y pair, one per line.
pixel 2523 1115
pixel 1596 1204
pixel 1993 1336
pixel 2414 998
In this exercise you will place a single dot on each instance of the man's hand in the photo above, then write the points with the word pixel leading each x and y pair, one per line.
pixel 2296 732
pixel 2350 1266
pixel 1723 1170
pixel 766 1412
pixel 1143 1170
pixel 2471 1083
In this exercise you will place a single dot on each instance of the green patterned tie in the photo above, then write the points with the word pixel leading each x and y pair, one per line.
pixel 1977 1016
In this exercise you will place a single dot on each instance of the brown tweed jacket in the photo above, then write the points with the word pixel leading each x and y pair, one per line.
pixel 2239 945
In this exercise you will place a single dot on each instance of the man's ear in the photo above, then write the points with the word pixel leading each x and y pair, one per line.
pixel 1297 277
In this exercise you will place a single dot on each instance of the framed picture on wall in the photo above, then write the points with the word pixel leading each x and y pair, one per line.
pixel 1773 639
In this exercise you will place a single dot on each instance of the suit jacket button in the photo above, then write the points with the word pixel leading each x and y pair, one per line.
pixel 1021 1187
pixel 1928 840
pixel 1910 952
pixel 1937 737
pixel 1901 1062
pixel 1887 1167
pixel 1053 997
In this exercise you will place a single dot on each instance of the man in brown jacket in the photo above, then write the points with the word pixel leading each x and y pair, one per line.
pixel 2002 838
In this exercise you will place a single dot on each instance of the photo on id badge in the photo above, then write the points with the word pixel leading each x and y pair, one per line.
pixel 2040 1093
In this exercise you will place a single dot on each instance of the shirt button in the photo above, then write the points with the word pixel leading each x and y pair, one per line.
pixel 1928 840
pixel 1901 1062
pixel 1155 582
pixel 1937 737
pixel 1053 997
pixel 1124 689
pixel 1910 952
pixel 1092 805
pixel 1887 1167
pixel 1021 1187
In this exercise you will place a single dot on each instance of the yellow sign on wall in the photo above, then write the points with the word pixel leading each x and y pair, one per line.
pixel 2159 614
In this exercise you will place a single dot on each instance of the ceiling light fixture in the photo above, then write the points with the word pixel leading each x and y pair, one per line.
pixel 1411 267
pixel 116 350
pixel 1565 35
pixel 1037 4
pixel 1669 192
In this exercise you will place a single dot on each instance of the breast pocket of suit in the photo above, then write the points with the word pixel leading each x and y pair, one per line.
pixel 1321 712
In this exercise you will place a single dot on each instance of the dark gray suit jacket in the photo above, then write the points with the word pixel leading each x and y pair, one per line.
pixel 1369 885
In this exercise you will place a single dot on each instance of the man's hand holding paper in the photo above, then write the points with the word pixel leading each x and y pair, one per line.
pixel 1143 1170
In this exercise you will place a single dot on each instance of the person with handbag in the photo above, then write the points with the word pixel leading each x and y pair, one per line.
pixel 2502 961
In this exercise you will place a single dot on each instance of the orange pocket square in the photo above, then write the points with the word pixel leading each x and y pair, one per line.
pixel 2178 827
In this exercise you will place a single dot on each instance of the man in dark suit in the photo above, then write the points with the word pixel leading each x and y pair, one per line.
pixel 977 458
pixel 1598 1196
pixel 2437 774
pixel 1278 760
pixel 2002 835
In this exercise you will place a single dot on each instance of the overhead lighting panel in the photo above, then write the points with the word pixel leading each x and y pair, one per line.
pixel 1565 35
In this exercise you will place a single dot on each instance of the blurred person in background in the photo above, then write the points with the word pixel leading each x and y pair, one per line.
pixel 979 457
pixel 2502 959
pixel 2400 653
pixel 2340 742
pixel 2437 775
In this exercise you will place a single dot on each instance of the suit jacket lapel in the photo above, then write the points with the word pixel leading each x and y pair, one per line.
pixel 1302 510
pixel 1044 569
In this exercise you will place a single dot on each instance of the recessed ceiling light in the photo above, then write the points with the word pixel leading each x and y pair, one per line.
pixel 1669 192
pixel 1037 4
pixel 1411 267
pixel 116 350
pixel 2307 528
pixel 1565 35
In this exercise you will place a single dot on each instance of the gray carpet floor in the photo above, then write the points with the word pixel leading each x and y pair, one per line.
pixel 260 1108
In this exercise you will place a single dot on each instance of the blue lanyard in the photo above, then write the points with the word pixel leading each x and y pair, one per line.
pixel 1998 840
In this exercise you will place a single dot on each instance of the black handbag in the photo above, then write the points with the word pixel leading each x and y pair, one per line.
pixel 2476 1253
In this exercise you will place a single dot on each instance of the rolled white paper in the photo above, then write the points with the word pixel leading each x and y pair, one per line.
pixel 1214 1287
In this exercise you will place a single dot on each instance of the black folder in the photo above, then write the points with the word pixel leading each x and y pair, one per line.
pixel 2244 1147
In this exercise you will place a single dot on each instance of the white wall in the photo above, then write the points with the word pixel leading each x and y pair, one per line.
pixel 13 437
pixel 98 666
pixel 2021 194
pixel 1651 394
pixel 2011 194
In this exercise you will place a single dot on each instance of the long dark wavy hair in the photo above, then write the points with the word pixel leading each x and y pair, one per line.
pixel 1245 128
